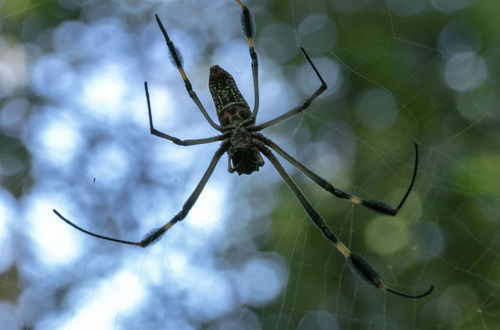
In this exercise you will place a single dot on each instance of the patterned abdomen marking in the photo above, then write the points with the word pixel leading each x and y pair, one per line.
pixel 230 104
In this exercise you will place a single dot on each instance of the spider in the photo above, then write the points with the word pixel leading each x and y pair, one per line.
pixel 245 146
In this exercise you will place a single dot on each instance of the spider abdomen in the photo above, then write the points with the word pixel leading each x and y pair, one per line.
pixel 231 106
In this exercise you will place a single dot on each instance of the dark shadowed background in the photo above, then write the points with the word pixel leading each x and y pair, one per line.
pixel 75 136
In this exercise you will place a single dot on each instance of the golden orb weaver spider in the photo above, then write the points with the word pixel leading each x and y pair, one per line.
pixel 245 146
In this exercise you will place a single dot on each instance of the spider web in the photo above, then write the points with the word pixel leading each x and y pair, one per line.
pixel 75 137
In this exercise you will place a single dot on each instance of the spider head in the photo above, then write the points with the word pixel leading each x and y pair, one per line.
pixel 230 104
pixel 244 156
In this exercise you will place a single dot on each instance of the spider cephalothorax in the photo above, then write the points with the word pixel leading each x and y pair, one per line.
pixel 245 147
pixel 243 154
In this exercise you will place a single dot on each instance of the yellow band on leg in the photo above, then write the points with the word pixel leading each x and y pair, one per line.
pixel 355 200
pixel 343 249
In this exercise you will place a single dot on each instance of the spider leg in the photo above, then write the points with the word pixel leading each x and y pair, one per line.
pixel 248 27
pixel 158 232
pixel 301 107
pixel 69 222
pixel 175 140
pixel 371 204
pixel 358 266
pixel 176 58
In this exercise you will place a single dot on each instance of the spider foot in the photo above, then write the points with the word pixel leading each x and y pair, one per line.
pixel 368 274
